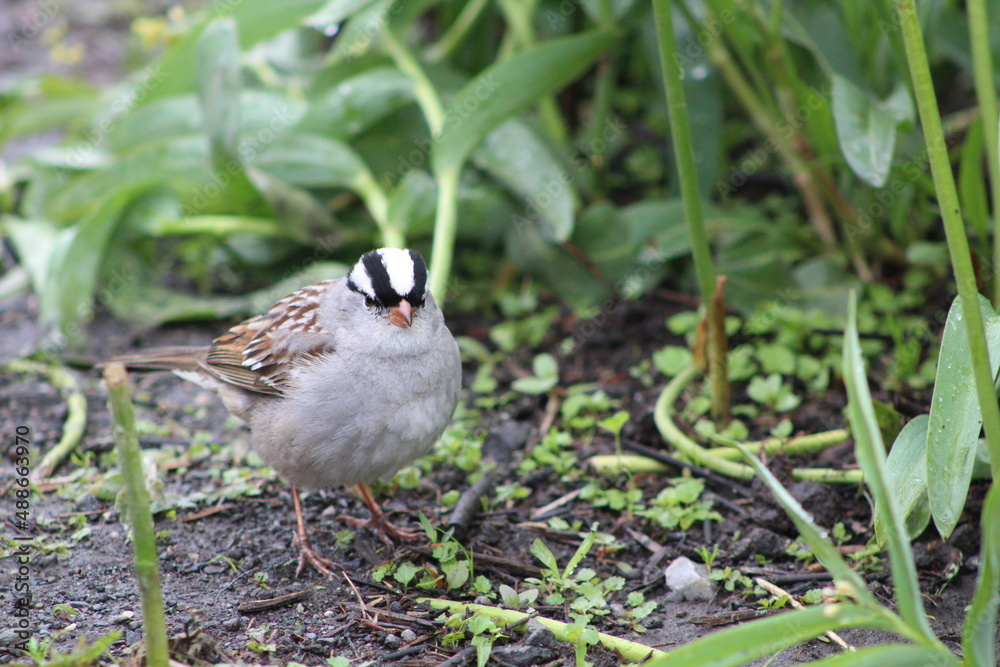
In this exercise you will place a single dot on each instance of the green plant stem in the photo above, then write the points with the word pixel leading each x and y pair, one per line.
pixel 683 145
pixel 446 218
pixel 958 243
pixel 456 32
pixel 445 227
pixel 814 442
pixel 663 416
pixel 982 71
pixel 427 97
pixel 76 413
pixel 377 204
pixel 629 651
pixel 147 564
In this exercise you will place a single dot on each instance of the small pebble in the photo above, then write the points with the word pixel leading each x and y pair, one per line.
pixel 124 617
pixel 234 624
pixel 392 641
pixel 408 635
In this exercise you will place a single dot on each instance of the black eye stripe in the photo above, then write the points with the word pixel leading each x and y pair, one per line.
pixel 384 294
pixel 416 295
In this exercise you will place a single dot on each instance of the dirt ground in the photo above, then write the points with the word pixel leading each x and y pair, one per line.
pixel 221 553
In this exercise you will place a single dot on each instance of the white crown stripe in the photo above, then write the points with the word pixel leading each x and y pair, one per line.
pixel 399 265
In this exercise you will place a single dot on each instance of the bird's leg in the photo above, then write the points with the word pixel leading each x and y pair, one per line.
pixel 378 522
pixel 306 552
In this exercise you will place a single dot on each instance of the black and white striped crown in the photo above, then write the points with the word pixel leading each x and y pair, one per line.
pixel 389 275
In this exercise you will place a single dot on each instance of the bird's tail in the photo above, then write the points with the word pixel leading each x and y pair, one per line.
pixel 178 358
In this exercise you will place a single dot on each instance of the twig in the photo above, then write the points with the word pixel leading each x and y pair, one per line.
pixel 467 506
pixel 775 590
pixel 696 470
pixel 254 606
pixel 556 504
pixel 514 567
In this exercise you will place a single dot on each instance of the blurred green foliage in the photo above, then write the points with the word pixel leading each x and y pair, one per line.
pixel 265 146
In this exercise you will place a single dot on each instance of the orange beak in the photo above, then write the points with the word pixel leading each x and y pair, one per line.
pixel 402 315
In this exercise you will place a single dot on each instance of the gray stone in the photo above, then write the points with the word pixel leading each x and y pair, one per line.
pixel 688 581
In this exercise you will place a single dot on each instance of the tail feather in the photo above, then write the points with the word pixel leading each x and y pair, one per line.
pixel 160 359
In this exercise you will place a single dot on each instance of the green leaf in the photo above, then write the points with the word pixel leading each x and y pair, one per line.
pixel 544 554
pixel 218 76
pixel 979 633
pixel 672 359
pixel 906 470
pixel 742 644
pixel 870 451
pixel 516 156
pixel 312 161
pixel 955 419
pixel 358 102
pixel 256 20
pixel 507 88
pixel 971 184
pixel 816 538
pixel 866 130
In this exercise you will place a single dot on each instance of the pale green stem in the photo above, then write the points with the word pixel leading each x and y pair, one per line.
pixel 147 564
pixel 954 227
pixel 982 70
pixel 629 651
pixel 663 414
pixel 680 131
pixel 76 413
pixel 445 226
pixel 814 442
pixel 427 97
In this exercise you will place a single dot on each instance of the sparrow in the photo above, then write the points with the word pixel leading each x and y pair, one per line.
pixel 342 383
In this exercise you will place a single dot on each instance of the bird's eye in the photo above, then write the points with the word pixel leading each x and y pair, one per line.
pixel 369 302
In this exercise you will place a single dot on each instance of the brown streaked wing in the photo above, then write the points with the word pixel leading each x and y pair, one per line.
pixel 255 354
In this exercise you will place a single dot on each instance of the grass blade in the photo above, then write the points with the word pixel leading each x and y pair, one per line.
pixel 979 634
pixel 871 454
pixel 740 645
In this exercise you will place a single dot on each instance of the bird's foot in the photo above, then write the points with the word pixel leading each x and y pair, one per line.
pixel 382 527
pixel 308 555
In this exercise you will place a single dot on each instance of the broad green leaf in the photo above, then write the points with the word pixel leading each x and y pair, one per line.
pixel 507 88
pixel 35 242
pixel 67 300
pixel 906 470
pixel 219 88
pixel 819 28
pixel 151 305
pixel 358 102
pixel 48 103
pixel 979 633
pixel 256 20
pixel 303 216
pixel 871 455
pixel 742 644
pixel 866 130
pixel 312 161
pixel 955 418
pixel 515 155
pixel 893 655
